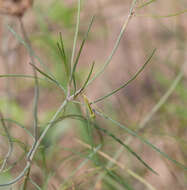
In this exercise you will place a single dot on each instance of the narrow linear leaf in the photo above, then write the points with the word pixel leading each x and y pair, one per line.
pixel 75 35
pixel 164 16
pixel 118 164
pixel 61 45
pixel 62 52
pixel 87 80
pixel 81 48
pixel 119 180
pixel 129 81
pixel 109 184
pixel 49 77
pixel 80 117
pixel 89 75
pixel 35 185
pixel 82 44
pixel 131 132
pixel 110 172
pixel 126 147
pixel 89 157
pixel 116 45
pixel 30 77
pixel 18 76
pixel 146 4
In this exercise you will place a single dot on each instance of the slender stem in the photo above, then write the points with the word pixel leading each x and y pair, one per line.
pixel 128 82
pixel 33 150
pixel 75 37
pixel 123 29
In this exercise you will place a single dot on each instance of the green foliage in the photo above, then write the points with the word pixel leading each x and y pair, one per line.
pixel 45 151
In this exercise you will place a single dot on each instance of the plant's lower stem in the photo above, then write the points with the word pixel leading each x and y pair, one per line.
pixel 47 128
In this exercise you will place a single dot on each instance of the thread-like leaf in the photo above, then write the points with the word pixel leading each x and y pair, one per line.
pixel 145 4
pixel 123 29
pixel 62 52
pixel 89 157
pixel 75 37
pixel 88 78
pixel 164 16
pixel 126 147
pixel 80 50
pixel 35 185
pixel 86 82
pixel 129 81
pixel 18 76
pixel 131 132
pixel 80 117
pixel 119 179
pixel 48 77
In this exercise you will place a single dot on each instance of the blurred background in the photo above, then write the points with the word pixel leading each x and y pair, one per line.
pixel 163 121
